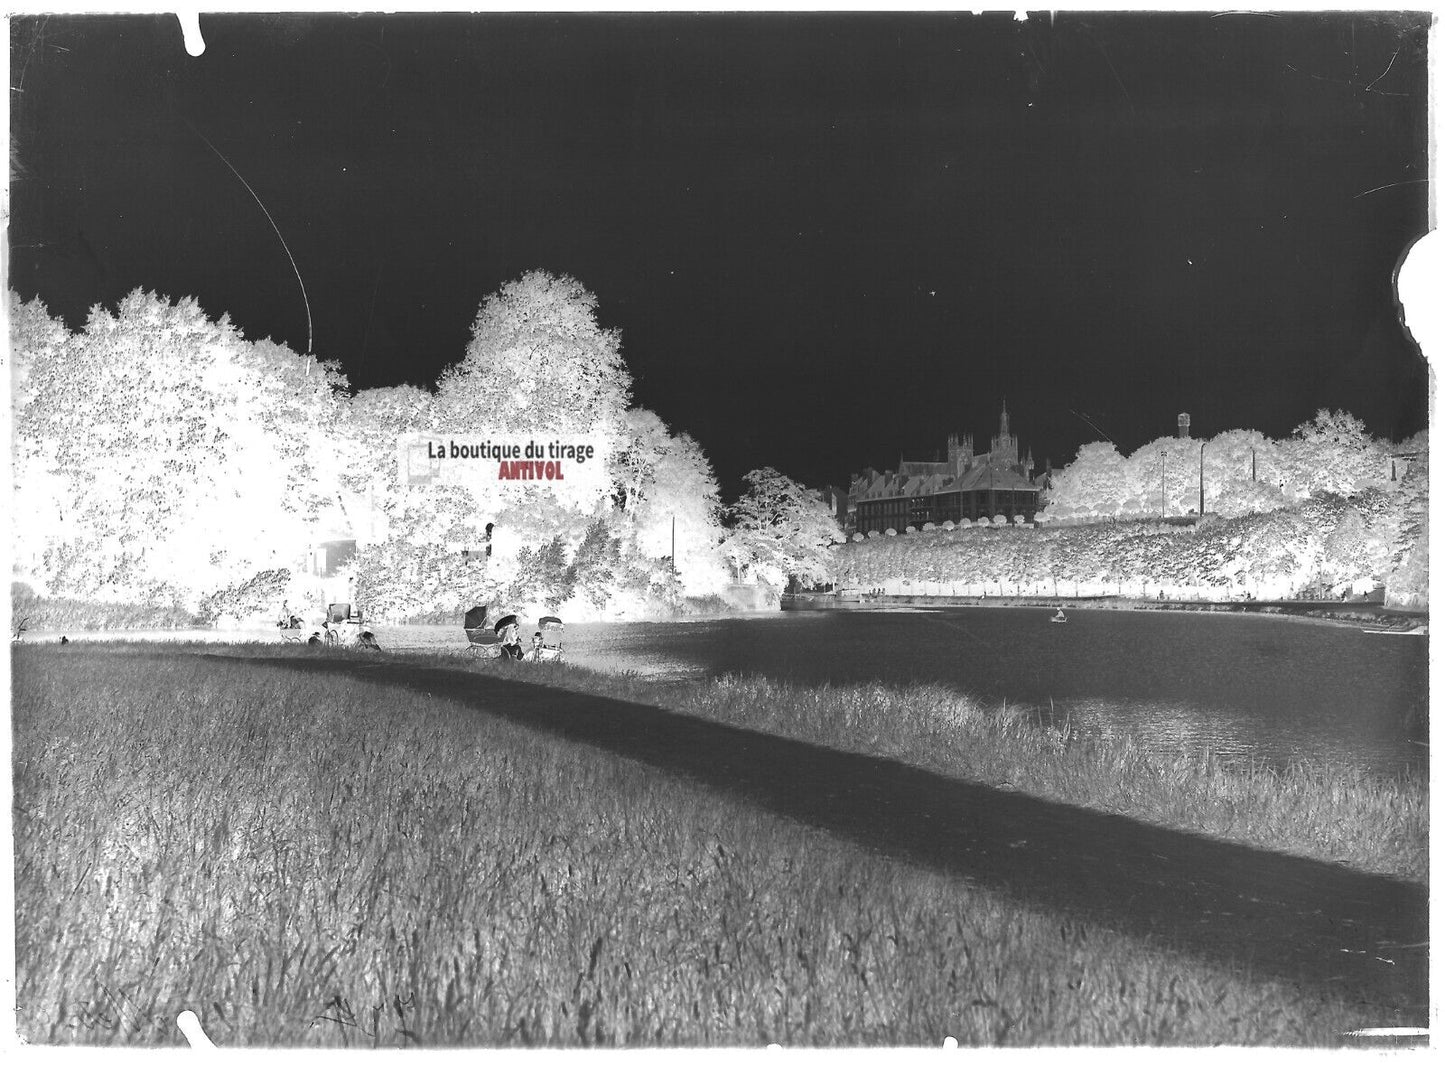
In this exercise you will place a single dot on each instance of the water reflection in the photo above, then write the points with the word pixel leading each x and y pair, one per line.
pixel 1244 688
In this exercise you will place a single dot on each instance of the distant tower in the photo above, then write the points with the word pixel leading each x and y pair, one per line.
pixel 1005 448
pixel 1183 426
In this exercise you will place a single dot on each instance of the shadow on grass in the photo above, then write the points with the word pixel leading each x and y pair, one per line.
pixel 1272 914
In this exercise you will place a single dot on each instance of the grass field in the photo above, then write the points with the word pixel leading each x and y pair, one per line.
pixel 315 860
pixel 1317 810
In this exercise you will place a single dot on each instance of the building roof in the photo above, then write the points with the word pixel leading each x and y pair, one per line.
pixel 994 476
pixel 998 469
pixel 889 485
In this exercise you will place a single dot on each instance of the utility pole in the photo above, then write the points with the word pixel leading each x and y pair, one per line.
pixel 1161 484
pixel 1201 479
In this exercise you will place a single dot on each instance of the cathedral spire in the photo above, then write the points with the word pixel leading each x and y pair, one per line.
pixel 1003 421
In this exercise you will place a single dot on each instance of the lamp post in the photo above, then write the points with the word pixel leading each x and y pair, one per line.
pixel 1201 479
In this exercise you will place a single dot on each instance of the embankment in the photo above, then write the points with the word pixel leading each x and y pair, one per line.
pixel 1270 557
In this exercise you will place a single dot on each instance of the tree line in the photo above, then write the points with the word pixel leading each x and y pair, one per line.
pixel 1329 511
pixel 1240 472
pixel 161 457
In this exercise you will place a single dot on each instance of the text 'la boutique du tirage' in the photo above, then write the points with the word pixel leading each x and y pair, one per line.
pixel 534 461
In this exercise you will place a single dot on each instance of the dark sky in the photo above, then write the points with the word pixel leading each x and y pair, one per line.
pixel 825 239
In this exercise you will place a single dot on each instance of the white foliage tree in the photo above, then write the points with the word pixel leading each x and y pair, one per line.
pixel 669 494
pixel 1093 485
pixel 1243 472
pixel 539 366
pixel 1333 452
pixel 538 358
pixel 39 498
pixel 782 529
pixel 182 454
pixel 424 548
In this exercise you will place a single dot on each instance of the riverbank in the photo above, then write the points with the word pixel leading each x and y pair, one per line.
pixel 1325 545
pixel 1349 613
pixel 1312 809
pixel 33 616
pixel 615 873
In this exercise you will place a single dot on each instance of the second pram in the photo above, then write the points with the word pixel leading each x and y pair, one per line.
pixel 547 641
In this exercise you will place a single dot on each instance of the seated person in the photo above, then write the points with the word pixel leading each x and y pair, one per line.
pixel 511 641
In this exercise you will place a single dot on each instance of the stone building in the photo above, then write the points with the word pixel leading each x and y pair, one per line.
pixel 963 486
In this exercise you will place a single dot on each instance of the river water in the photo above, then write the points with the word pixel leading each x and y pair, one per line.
pixel 1246 688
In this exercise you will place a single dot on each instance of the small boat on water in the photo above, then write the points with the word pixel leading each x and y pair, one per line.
pixel 1059 616
pixel 1409 625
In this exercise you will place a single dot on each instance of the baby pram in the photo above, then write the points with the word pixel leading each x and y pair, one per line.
pixel 547 644
pixel 343 623
pixel 482 640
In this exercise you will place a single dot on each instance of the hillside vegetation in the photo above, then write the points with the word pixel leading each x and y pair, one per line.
pixel 1325 544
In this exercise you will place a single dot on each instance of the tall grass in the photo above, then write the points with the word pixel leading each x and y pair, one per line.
pixel 1321 811
pixel 308 860
pixel 1317 810
pixel 77 615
